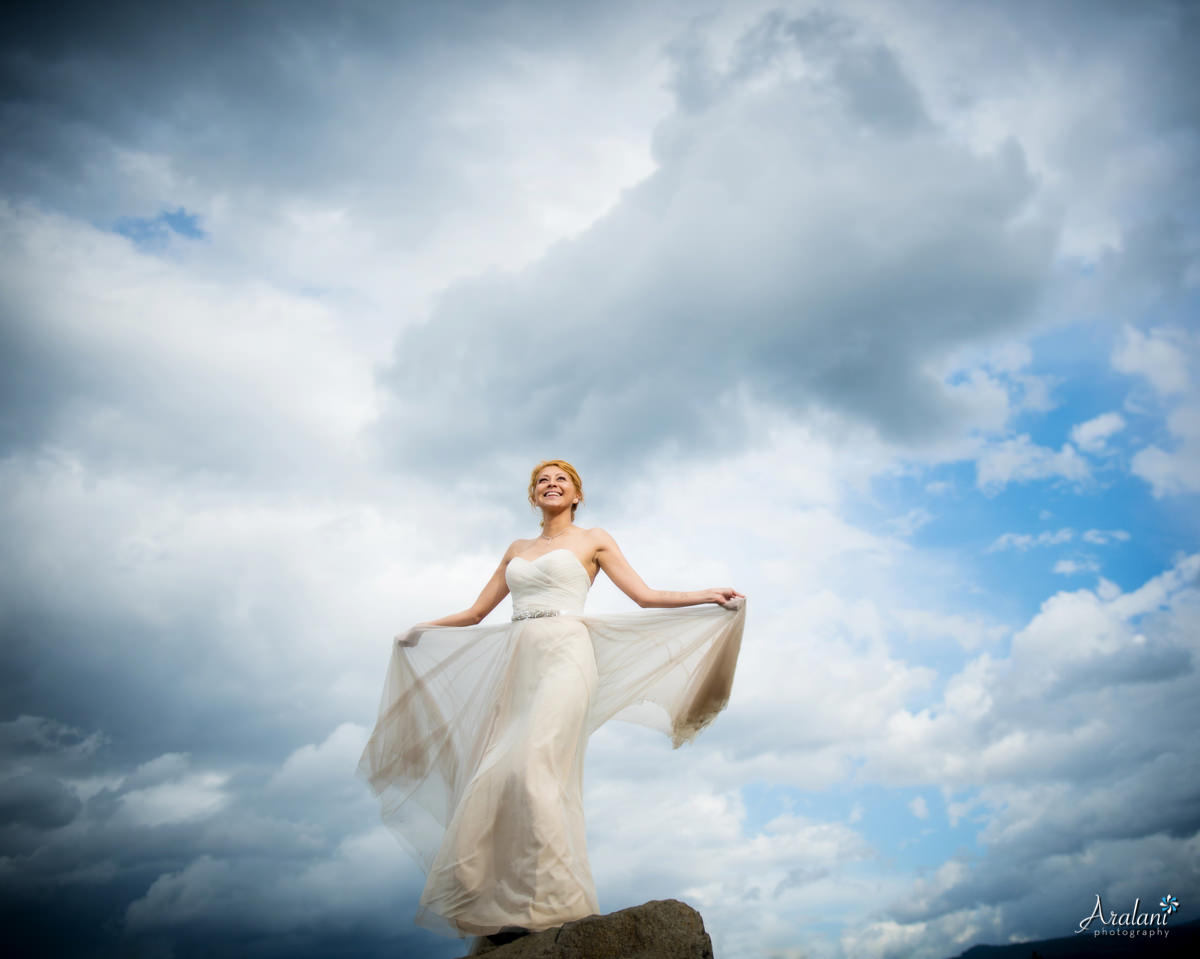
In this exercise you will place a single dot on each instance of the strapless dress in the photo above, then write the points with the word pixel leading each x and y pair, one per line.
pixel 478 752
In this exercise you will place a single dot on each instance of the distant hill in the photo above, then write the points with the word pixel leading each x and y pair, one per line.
pixel 1184 940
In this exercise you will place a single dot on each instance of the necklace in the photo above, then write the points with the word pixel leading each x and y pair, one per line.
pixel 556 535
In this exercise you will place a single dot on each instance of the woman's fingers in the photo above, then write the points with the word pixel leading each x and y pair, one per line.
pixel 410 638
pixel 729 597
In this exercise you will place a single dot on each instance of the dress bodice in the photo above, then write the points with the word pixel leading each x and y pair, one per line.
pixel 554 580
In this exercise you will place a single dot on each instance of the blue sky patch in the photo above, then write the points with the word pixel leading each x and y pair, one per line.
pixel 154 233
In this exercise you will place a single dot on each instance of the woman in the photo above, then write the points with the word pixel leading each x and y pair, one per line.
pixel 477 755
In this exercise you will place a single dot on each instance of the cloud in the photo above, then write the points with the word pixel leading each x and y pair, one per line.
pixel 1024 541
pixel 256 898
pixel 40 802
pixel 1069 794
pixel 145 374
pixel 324 763
pixel 1102 537
pixel 910 522
pixel 792 862
pixel 968 632
pixel 193 796
pixel 1018 460
pixel 36 735
pixel 335 153
pixel 1166 356
pixel 1083 644
pixel 1076 567
pixel 1177 471
pixel 750 223
pixel 1093 435
pixel 1158 356
pixel 197 856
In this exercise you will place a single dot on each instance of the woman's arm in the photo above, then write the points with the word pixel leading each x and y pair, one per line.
pixel 610 559
pixel 488 599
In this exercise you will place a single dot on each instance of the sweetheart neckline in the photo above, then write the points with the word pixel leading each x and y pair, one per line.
pixel 559 549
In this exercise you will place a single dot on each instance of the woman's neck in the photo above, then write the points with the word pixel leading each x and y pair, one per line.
pixel 555 526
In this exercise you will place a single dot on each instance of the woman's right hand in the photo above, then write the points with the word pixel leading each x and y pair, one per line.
pixel 410 638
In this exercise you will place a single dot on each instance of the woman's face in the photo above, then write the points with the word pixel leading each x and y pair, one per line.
pixel 553 487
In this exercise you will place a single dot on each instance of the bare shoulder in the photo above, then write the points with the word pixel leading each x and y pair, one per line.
pixel 517 547
pixel 599 538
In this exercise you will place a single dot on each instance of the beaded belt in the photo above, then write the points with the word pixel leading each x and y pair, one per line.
pixel 534 614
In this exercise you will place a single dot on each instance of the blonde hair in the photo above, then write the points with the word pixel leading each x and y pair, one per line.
pixel 566 468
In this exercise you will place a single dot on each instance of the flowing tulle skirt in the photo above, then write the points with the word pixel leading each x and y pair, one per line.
pixel 477 756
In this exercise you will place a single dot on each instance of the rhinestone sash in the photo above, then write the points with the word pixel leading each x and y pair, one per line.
pixel 534 614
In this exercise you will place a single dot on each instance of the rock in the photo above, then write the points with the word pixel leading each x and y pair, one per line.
pixel 663 929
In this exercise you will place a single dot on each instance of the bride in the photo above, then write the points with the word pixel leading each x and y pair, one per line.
pixel 478 752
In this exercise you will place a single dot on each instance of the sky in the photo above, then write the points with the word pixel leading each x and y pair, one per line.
pixel 883 313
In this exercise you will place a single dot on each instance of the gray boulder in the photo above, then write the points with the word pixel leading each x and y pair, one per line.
pixel 663 929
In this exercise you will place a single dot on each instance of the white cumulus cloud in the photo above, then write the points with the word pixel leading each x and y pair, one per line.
pixel 1093 435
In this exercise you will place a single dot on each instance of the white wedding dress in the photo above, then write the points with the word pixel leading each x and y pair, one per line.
pixel 477 756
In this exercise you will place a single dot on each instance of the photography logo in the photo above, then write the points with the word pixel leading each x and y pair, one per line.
pixel 1136 922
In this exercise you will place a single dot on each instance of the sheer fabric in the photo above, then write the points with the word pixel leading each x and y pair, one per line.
pixel 477 755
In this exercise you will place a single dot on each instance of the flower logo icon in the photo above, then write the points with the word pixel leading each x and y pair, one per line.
pixel 1168 904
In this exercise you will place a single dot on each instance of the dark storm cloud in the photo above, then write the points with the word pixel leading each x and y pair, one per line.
pixel 89 657
pixel 83 687
pixel 37 801
pixel 33 736
pixel 169 856
pixel 282 98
